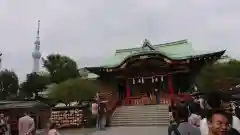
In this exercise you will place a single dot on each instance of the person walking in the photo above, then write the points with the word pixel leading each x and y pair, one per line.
pixel 8 127
pixel 102 115
pixel 195 116
pixel 2 124
pixel 26 125
pixel 95 112
pixel 183 127
pixel 53 129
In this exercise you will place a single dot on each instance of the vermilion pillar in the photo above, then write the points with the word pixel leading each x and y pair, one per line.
pixel 128 92
pixel 170 89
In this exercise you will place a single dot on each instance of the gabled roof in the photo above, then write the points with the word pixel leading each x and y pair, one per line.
pixel 178 50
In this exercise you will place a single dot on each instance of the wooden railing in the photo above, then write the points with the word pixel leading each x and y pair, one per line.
pixel 144 100
pixel 137 100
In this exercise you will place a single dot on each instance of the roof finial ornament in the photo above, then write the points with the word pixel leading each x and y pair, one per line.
pixel 146 43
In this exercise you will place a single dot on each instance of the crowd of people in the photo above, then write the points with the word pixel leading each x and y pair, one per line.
pixel 205 116
pixel 26 126
pixel 4 125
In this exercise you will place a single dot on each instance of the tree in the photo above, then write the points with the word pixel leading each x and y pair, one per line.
pixel 34 83
pixel 9 84
pixel 219 76
pixel 61 68
pixel 73 90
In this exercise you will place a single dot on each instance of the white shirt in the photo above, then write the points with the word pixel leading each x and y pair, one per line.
pixel 53 132
pixel 94 108
pixel 194 119
pixel 204 126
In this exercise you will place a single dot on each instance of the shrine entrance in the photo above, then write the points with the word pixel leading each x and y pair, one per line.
pixel 148 90
pixel 153 89
pixel 153 74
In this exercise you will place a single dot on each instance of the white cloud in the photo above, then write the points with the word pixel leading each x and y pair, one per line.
pixel 91 30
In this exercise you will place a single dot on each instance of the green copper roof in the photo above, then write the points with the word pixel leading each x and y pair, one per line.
pixel 178 50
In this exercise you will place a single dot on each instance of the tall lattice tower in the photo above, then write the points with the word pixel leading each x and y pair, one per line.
pixel 0 61
pixel 36 53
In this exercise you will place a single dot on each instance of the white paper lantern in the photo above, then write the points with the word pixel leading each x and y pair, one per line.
pixel 139 80
pixel 156 79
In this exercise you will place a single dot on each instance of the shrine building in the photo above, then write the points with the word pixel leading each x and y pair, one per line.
pixel 154 71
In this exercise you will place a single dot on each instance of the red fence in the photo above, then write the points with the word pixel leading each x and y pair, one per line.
pixel 144 100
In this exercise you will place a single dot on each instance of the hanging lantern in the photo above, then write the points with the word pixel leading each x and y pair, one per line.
pixel 161 78
pixel 142 80
pixel 156 79
pixel 152 80
pixel 133 81
pixel 139 80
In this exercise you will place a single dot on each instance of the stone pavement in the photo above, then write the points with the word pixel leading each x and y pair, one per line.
pixel 133 131
pixel 116 131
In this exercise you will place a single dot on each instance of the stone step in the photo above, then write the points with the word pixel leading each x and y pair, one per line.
pixel 140 117
pixel 144 107
pixel 152 109
pixel 140 113
pixel 140 124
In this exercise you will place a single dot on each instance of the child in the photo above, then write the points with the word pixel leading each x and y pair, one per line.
pixel 53 129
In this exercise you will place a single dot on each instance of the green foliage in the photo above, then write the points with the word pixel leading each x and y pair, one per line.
pixel 219 76
pixel 61 68
pixel 8 84
pixel 34 83
pixel 74 90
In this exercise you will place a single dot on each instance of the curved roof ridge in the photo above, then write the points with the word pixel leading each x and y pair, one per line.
pixel 184 41
pixel 164 44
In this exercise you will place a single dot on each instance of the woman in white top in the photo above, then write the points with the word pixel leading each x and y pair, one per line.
pixel 94 108
pixel 95 113
pixel 194 118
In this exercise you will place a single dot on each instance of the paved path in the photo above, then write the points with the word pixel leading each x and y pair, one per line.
pixel 115 131
pixel 133 131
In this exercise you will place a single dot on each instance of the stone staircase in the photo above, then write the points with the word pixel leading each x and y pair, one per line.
pixel 141 115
